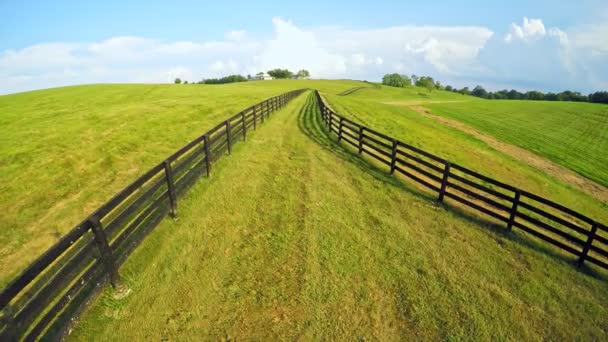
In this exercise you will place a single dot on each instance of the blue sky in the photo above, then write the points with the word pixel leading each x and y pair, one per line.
pixel 547 45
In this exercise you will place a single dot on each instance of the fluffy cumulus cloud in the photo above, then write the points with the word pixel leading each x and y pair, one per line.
pixel 527 55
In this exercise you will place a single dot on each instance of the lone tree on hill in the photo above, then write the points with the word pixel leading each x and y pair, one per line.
pixel 280 73
pixel 177 81
pixel 303 73
pixel 396 80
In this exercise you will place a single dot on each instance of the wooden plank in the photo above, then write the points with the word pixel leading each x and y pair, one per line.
pixel 484 178
pixel 419 170
pixel 369 152
pixel 557 206
pixel 350 141
pixel 92 276
pixel 419 151
pixel 479 197
pixel 597 262
pixel 376 141
pixel 39 299
pixel 476 206
pixel 553 218
pixel 545 238
pixel 376 149
pixel 480 187
pixel 41 263
pixel 553 230
pixel 416 178
pixel 133 225
pixel 419 160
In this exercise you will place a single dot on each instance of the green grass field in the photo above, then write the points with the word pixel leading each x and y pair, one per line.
pixel 65 151
pixel 292 236
pixel 421 131
pixel 572 134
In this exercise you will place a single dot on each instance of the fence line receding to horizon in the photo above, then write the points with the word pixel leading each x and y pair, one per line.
pixel 556 224
pixel 53 289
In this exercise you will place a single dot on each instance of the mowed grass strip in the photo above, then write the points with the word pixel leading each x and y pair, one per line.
pixel 65 151
pixel 572 134
pixel 293 237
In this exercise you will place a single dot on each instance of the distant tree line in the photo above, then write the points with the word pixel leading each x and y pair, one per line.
pixel 397 80
pixel 284 73
pixel 275 73
pixel 567 95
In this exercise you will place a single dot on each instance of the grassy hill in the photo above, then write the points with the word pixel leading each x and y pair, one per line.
pixel 65 151
pixel 294 237
pixel 572 134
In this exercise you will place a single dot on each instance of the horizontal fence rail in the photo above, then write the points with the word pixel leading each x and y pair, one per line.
pixel 551 222
pixel 45 297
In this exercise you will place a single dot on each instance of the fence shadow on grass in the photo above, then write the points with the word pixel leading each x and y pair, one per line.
pixel 312 125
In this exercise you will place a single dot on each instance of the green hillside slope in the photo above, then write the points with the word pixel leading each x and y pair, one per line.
pixel 65 151
pixel 294 237
pixel 569 133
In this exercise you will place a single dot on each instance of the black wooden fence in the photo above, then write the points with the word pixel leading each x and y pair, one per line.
pixel 45 297
pixel 565 228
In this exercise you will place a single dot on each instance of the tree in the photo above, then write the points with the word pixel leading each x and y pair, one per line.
pixel 395 80
pixel 177 81
pixel 426 82
pixel 226 79
pixel 534 95
pixel 280 73
pixel 479 91
pixel 599 97
pixel 449 88
pixel 303 73
pixel 414 79
pixel 465 91
pixel 185 82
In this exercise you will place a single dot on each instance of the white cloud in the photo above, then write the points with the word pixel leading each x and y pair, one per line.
pixel 529 30
pixel 530 51
pixel 236 35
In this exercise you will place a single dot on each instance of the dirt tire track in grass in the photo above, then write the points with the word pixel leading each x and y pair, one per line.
pixel 562 173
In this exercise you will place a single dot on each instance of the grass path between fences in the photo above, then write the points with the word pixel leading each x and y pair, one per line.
pixel 293 237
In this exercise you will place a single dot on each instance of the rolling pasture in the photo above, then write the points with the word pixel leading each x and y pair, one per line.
pixel 389 110
pixel 569 133
pixel 65 151
pixel 294 236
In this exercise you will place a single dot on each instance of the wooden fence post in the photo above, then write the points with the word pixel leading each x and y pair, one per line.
pixel 394 156
pixel 244 126
pixel 207 154
pixel 255 119
pixel 171 188
pixel 360 139
pixel 587 246
pixel 513 210
pixel 329 123
pixel 340 129
pixel 105 251
pixel 444 181
pixel 228 137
